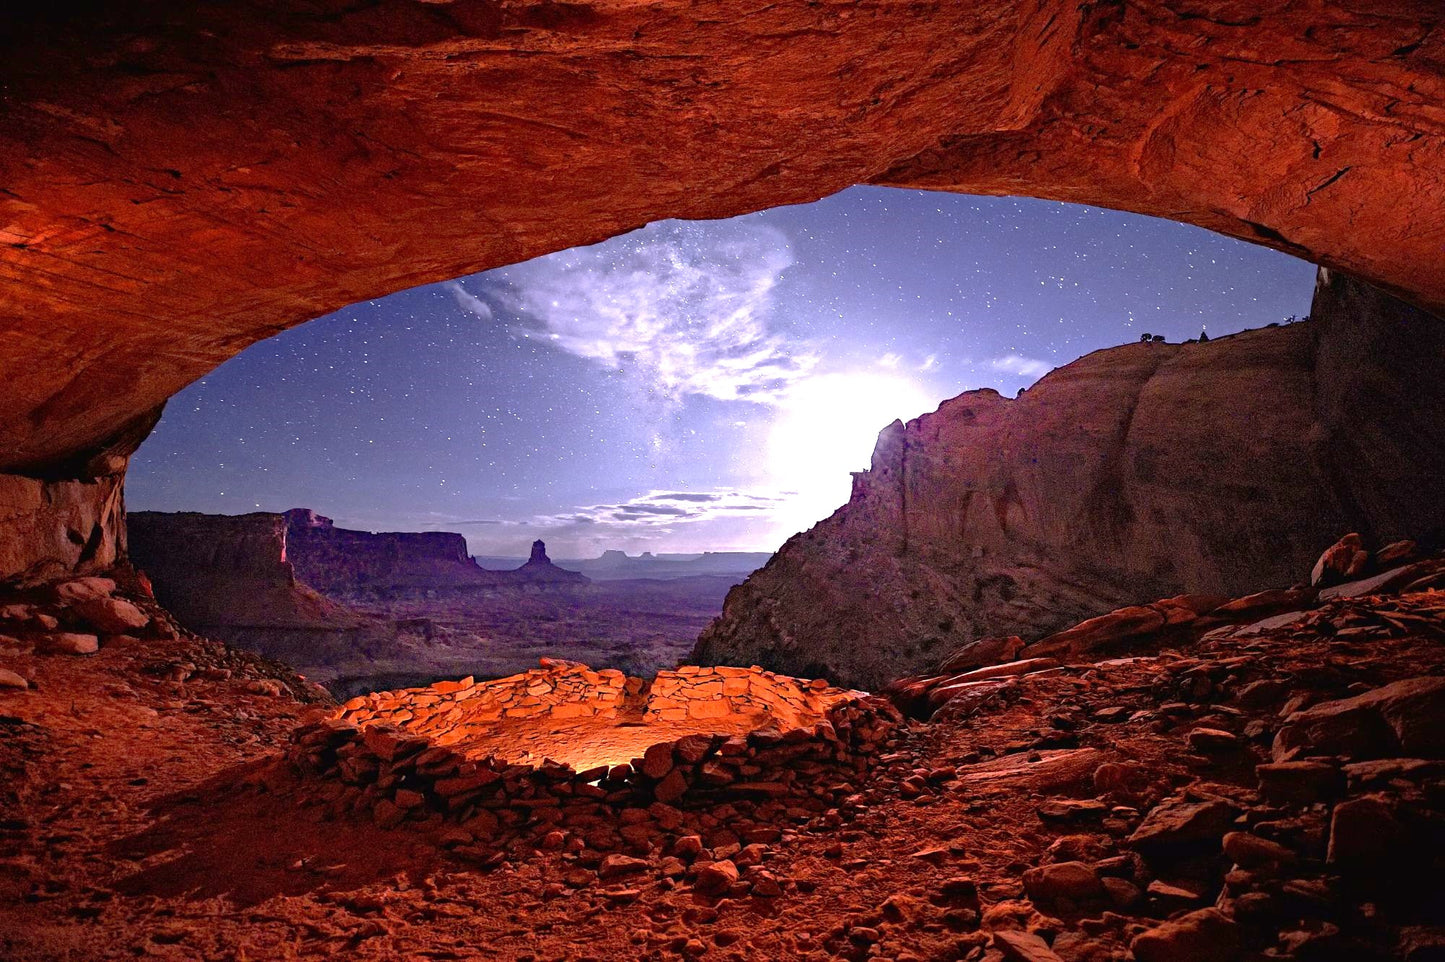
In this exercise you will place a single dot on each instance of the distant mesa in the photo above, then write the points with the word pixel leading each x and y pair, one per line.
pixel 306 518
pixel 614 564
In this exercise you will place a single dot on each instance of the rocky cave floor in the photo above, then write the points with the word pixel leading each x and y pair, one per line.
pixel 1096 811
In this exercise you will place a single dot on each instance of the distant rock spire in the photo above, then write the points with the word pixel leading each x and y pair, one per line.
pixel 539 553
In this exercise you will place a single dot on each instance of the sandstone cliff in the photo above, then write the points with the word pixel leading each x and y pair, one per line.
pixel 228 577
pixel 1131 474
pixel 342 561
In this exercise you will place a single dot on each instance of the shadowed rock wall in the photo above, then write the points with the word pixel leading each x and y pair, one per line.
pixel 1134 473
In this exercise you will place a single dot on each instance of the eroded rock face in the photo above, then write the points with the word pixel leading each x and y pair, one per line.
pixel 342 562
pixel 345 153
pixel 1134 473
pixel 48 528
pixel 228 577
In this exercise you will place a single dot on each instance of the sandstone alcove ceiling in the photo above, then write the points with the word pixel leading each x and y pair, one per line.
pixel 181 181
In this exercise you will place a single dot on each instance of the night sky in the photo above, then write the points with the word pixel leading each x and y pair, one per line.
pixel 692 385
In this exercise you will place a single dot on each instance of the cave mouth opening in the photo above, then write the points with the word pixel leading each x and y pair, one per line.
pixel 688 386
pixel 684 389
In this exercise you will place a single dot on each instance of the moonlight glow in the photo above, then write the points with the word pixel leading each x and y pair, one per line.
pixel 826 429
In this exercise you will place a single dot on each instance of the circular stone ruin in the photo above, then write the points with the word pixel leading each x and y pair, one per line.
pixel 563 741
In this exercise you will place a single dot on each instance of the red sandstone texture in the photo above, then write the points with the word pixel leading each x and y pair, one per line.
pixel 181 180
pixel 1271 793
pixel 1134 473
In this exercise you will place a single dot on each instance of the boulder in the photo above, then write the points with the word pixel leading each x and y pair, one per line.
pixel 83 589
pixel 1406 718
pixel 1207 935
pixel 1341 561
pixel 716 878
pixel 616 866
pixel 1396 553
pixel 1177 826
pixel 1116 627
pixel 69 643
pixel 1300 782
pixel 1365 834
pixel 111 616
pixel 1074 881
pixel 986 651
pixel 657 760
pixel 1024 667
pixel 1249 850
pixel 10 680
pixel 1212 740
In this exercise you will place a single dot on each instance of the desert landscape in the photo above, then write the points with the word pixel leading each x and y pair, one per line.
pixel 357 612
pixel 1126 643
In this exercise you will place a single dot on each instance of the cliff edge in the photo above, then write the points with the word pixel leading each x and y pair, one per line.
pixel 1133 473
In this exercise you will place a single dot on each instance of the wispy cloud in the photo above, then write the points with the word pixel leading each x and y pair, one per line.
pixel 468 301
pixel 664 508
pixel 687 309
pixel 1023 366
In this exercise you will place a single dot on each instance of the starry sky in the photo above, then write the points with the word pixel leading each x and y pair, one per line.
pixel 693 385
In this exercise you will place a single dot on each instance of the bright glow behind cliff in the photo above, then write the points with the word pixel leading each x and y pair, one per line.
pixel 826 428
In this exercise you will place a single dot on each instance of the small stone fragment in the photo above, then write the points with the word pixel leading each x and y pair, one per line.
pixel 1019 946
pixel 1209 740
pixel 615 866
pixel 70 643
pixel 716 877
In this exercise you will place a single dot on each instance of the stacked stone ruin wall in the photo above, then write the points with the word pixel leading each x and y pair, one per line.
pixel 396 755
pixel 566 691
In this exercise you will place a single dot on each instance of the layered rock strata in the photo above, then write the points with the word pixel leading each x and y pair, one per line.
pixel 1134 473
pixel 289 586
pixel 345 563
